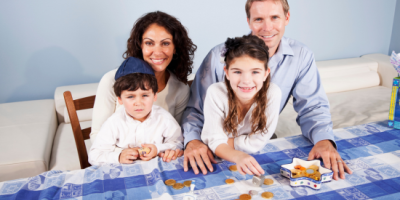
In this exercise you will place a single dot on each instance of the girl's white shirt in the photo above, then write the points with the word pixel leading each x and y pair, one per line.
pixel 172 98
pixel 216 109
pixel 120 131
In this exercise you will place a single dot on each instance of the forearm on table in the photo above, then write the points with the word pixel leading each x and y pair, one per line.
pixel 316 125
pixel 226 152
pixel 97 157
pixel 192 125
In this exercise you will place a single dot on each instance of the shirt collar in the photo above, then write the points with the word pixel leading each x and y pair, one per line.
pixel 284 47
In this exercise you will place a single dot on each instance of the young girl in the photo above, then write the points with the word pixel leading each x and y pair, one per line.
pixel 241 114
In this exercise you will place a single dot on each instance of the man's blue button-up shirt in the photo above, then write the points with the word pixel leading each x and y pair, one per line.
pixel 293 69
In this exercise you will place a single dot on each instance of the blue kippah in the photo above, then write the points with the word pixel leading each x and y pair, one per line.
pixel 133 65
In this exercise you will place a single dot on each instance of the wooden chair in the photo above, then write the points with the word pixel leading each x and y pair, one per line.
pixel 79 134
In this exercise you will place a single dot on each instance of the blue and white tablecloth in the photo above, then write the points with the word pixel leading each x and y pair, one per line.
pixel 372 151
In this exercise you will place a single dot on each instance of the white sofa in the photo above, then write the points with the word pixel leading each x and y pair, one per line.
pixel 358 90
pixel 36 136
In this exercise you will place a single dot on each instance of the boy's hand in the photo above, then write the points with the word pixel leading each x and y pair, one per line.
pixel 127 156
pixel 152 154
pixel 169 155
pixel 246 164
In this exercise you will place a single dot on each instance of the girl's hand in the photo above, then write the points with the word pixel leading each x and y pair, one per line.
pixel 169 155
pixel 246 164
pixel 127 156
pixel 151 154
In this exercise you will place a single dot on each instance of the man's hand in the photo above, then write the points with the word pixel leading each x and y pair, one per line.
pixel 330 157
pixel 151 154
pixel 197 152
pixel 127 156
pixel 169 155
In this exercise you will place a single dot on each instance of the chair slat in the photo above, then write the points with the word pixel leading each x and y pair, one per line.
pixel 86 133
pixel 84 103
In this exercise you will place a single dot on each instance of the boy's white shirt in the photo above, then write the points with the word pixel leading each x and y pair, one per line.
pixel 120 131
pixel 216 109
pixel 173 98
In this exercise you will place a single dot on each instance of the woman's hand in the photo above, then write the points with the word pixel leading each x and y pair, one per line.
pixel 127 156
pixel 169 155
pixel 151 154
pixel 246 164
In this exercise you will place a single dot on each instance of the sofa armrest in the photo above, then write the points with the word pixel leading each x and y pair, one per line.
pixel 386 70
pixel 77 91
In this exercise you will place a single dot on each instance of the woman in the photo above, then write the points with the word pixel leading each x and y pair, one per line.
pixel 162 41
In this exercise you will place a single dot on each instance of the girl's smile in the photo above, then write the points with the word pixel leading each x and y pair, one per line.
pixel 246 76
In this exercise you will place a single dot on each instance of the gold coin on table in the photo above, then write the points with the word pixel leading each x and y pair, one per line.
pixel 229 181
pixel 267 195
pixel 268 181
pixel 170 182
pixel 187 183
pixel 177 186
pixel 233 168
pixel 245 197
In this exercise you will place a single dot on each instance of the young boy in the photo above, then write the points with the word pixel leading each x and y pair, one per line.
pixel 138 123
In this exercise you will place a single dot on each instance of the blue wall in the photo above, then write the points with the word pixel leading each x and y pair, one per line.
pixel 46 44
pixel 395 41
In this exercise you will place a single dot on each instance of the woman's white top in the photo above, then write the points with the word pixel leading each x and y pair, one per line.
pixel 173 98
pixel 216 109
pixel 120 131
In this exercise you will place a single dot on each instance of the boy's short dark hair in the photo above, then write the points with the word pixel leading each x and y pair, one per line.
pixel 134 81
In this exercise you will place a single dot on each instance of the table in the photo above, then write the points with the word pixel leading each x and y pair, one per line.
pixel 371 150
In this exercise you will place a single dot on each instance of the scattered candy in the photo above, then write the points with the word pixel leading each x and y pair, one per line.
pixel 267 195
pixel 229 181
pixel 268 181
pixel 187 183
pixel 245 197
pixel 170 182
pixel 233 168
pixel 177 186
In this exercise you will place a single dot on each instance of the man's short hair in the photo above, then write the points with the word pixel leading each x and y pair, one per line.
pixel 284 3
pixel 134 81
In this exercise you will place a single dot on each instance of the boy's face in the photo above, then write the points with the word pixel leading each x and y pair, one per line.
pixel 138 103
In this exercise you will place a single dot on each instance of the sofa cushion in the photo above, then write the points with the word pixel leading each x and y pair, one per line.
pixel 347 109
pixel 26 130
pixel 64 155
pixel 348 74
pixel 77 91
pixel 386 70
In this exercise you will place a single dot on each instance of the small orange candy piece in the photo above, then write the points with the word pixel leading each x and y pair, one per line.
pixel 298 167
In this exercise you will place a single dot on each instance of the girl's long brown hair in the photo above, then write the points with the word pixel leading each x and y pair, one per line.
pixel 253 47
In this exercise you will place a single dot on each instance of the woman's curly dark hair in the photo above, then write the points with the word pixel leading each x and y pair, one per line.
pixel 181 64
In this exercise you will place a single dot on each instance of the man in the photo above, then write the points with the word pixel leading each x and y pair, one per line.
pixel 293 69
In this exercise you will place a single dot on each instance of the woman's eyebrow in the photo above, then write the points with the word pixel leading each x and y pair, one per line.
pixel 166 39
pixel 148 39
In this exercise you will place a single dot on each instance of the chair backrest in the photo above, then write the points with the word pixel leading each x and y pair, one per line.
pixel 79 134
